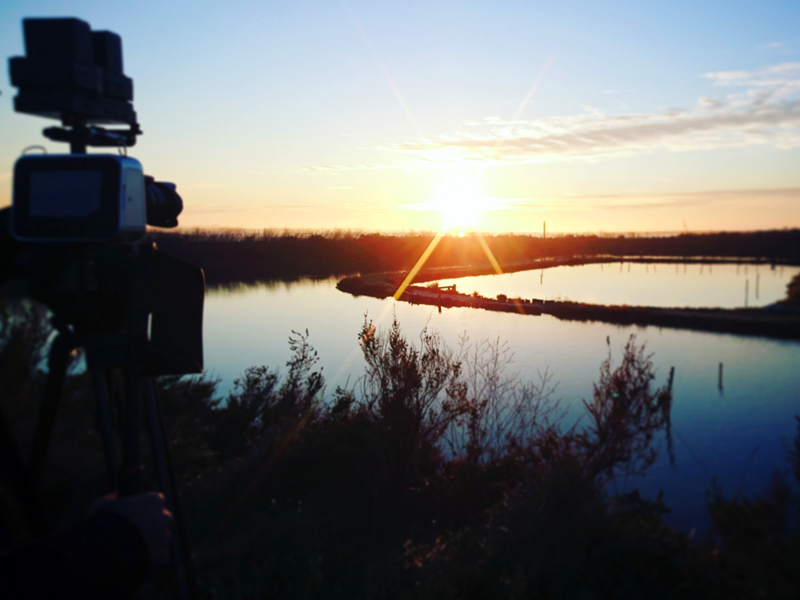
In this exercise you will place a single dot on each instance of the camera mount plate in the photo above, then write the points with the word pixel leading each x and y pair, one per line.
pixel 91 135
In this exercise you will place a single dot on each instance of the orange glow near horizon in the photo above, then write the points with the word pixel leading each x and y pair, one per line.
pixel 502 210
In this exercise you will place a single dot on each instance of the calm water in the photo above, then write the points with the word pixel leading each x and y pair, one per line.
pixel 739 436
pixel 641 284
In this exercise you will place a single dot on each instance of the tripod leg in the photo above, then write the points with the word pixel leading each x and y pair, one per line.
pixel 57 364
pixel 187 586
pixel 100 382
pixel 131 482
pixel 14 475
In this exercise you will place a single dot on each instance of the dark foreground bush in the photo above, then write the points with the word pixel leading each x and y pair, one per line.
pixel 438 475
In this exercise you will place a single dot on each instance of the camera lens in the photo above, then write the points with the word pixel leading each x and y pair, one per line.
pixel 163 203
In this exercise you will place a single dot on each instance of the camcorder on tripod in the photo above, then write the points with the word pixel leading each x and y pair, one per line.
pixel 76 226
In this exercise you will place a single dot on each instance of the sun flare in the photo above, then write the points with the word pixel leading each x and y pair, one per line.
pixel 461 202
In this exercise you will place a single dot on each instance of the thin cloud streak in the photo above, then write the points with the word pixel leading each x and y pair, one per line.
pixel 334 168
pixel 763 109
pixel 639 201
pixel 648 201
pixel 595 137
pixel 766 113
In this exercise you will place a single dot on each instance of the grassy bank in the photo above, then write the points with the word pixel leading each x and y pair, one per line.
pixel 437 475
pixel 246 256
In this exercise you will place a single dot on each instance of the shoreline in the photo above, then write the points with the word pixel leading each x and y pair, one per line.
pixel 778 321
pixel 426 275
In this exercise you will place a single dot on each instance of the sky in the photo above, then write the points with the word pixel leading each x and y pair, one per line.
pixel 592 116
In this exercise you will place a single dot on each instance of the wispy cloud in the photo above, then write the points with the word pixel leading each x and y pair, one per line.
pixel 754 108
pixel 766 111
pixel 630 91
pixel 623 201
pixel 782 79
pixel 647 201
pixel 205 185
pixel 329 168
pixel 776 48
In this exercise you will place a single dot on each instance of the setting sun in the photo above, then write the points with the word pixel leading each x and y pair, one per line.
pixel 461 202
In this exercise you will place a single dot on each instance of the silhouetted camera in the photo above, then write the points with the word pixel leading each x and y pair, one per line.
pixel 71 240
pixel 75 74
pixel 76 220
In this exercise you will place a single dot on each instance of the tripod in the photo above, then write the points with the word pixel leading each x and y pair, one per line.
pixel 115 304
pixel 137 313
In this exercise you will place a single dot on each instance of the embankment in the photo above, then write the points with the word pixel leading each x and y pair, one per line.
pixel 780 321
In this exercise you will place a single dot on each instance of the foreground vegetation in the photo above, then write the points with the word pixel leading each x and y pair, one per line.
pixel 246 255
pixel 438 475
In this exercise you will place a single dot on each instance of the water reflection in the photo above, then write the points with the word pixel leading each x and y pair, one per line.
pixel 642 284
pixel 738 436
pixel 270 285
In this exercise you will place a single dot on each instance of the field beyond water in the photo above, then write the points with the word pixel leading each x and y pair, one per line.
pixel 229 257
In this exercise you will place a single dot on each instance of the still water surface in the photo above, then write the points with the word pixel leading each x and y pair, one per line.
pixel 739 435
pixel 641 284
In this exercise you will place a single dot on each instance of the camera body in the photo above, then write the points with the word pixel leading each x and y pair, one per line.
pixel 78 198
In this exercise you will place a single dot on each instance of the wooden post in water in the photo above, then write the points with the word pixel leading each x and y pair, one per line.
pixel 541 277
pixel 671 377
pixel 746 291
pixel 719 384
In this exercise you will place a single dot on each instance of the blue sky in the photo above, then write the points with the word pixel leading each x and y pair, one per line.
pixel 592 116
